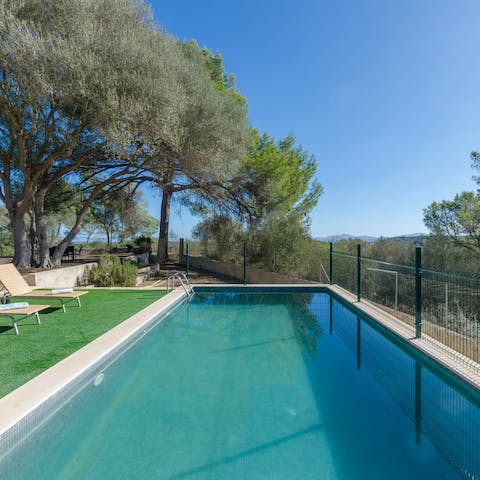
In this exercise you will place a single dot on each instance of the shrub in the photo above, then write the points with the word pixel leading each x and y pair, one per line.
pixel 143 244
pixel 6 251
pixel 112 272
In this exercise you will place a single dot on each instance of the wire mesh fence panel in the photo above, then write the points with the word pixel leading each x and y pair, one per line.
pixel 450 304
pixel 323 266
pixel 194 248
pixel 211 265
pixel 344 271
pixel 450 311
pixel 240 254
pixel 390 286
pixel 173 252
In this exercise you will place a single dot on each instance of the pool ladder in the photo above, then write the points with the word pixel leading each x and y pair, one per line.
pixel 182 280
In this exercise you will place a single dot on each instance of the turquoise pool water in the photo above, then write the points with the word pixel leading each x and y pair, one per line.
pixel 261 386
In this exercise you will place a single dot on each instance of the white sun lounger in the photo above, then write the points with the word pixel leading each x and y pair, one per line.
pixel 17 287
pixel 25 312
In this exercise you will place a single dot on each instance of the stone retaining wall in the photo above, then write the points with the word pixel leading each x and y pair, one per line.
pixel 65 277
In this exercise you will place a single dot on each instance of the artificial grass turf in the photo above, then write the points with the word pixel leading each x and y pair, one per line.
pixel 38 347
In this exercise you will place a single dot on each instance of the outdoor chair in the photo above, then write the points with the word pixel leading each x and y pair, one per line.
pixel 69 252
pixel 26 312
pixel 16 286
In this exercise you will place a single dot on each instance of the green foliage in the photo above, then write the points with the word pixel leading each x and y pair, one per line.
pixel 280 176
pixel 383 249
pixel 107 211
pixel 144 244
pixel 442 254
pixel 136 221
pixel 220 238
pixel 211 131
pixel 121 215
pixel 211 139
pixel 280 244
pixel 222 80
pixel 94 94
pixel 457 219
pixel 6 239
pixel 60 207
pixel 112 272
pixel 278 190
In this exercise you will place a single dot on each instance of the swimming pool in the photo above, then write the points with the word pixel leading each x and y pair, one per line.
pixel 253 384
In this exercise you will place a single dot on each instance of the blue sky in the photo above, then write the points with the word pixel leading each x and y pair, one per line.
pixel 385 94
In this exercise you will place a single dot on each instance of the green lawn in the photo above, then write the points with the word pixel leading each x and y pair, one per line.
pixel 38 347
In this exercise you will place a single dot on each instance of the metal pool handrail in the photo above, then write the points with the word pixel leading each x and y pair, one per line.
pixel 182 280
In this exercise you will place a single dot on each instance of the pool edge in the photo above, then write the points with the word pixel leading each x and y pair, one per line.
pixel 21 402
pixel 18 404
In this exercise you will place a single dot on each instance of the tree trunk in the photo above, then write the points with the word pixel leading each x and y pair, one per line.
pixel 162 250
pixel 43 250
pixel 75 230
pixel 22 256
pixel 34 260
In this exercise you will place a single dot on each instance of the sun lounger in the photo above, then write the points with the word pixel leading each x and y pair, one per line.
pixel 17 287
pixel 24 311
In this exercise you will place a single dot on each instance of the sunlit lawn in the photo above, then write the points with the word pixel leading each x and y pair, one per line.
pixel 38 347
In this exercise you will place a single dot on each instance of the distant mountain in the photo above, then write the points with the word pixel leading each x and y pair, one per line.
pixel 346 236
pixel 411 238
pixel 406 238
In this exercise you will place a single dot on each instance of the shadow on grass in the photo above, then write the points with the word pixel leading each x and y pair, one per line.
pixel 7 330
pixel 50 310
pixel 28 322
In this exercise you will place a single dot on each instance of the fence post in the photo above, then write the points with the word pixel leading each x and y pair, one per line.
pixel 188 263
pixel 244 262
pixel 331 263
pixel 418 292
pixel 359 272
pixel 180 250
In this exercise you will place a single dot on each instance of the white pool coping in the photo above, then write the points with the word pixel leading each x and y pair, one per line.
pixel 18 404
pixel 22 401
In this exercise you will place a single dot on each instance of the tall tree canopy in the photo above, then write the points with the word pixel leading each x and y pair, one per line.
pixel 458 219
pixel 280 176
pixel 92 93
pixel 95 99
pixel 270 204
pixel 214 136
